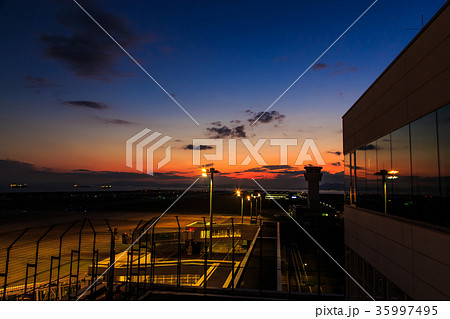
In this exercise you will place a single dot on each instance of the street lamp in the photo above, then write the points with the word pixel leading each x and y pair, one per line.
pixel 241 195
pixel 249 198
pixel 392 174
pixel 211 171
pixel 260 204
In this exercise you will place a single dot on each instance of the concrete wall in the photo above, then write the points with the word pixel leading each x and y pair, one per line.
pixel 415 258
pixel 415 84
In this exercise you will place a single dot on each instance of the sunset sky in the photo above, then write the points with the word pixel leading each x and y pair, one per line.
pixel 70 98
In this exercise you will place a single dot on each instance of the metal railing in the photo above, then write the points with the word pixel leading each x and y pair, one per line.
pixel 95 259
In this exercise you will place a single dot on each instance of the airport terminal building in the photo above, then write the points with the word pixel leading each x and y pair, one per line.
pixel 397 174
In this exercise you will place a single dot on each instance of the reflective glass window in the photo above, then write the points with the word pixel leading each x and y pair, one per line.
pixel 373 193
pixel 384 153
pixel 443 118
pixel 383 163
pixel 347 178
pixel 400 189
pixel 425 168
pixel 360 171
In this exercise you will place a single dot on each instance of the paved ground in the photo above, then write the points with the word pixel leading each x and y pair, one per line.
pixel 261 271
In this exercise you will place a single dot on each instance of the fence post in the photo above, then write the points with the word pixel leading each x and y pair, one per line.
pixel 289 268
pixel 318 273
pixel 112 255
pixel 260 254
pixel 35 264
pixel 94 264
pixel 142 232
pixel 205 266
pixel 232 256
pixel 130 255
pixel 70 275
pixel 8 251
pixel 138 280
pixel 178 255
pixel 78 252
pixel 146 252
pixel 153 256
pixel 59 258
pixel 50 284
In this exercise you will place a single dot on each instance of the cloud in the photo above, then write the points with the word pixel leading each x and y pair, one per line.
pixel 87 104
pixel 319 66
pixel 266 117
pixel 116 121
pixel 216 123
pixel 270 169
pixel 342 68
pixel 335 153
pixel 224 131
pixel 201 147
pixel 87 51
pixel 369 147
pixel 39 82
pixel 336 164
pixel 294 180
pixel 239 131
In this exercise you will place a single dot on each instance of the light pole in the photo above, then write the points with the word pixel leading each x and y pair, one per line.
pixel 211 173
pixel 260 204
pixel 249 198
pixel 241 195
pixel 386 175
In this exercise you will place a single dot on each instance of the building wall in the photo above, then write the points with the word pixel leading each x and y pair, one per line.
pixel 416 83
pixel 414 257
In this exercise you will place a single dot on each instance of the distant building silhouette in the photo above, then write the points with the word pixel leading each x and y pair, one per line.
pixel 313 176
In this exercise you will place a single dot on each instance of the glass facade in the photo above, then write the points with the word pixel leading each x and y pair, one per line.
pixel 416 158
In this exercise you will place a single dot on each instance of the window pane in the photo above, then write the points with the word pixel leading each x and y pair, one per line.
pixel 383 163
pixel 347 178
pixel 360 175
pixel 373 193
pixel 352 177
pixel 384 153
pixel 424 159
pixel 400 199
pixel 443 116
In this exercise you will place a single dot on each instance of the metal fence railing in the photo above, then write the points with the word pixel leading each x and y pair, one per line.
pixel 114 259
